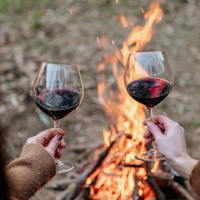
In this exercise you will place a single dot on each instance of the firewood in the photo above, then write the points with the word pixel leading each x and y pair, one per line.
pixel 82 147
pixel 151 181
pixel 84 195
pixel 135 191
pixel 66 192
pixel 92 168
pixel 60 184
pixel 181 190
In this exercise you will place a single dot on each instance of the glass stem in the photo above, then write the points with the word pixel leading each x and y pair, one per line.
pixel 56 124
pixel 151 115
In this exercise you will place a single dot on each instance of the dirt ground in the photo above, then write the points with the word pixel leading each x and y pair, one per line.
pixel 32 32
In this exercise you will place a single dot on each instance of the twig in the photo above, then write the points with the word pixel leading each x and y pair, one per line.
pixel 135 191
pixel 150 179
pixel 81 147
pixel 84 195
pixel 63 194
pixel 60 184
pixel 131 165
pixel 181 190
pixel 92 168
pixel 88 152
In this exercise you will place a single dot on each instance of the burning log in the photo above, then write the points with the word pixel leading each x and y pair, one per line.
pixel 136 188
pixel 92 168
pixel 84 195
pixel 150 179
pixel 181 190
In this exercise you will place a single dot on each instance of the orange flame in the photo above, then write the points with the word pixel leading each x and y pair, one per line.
pixel 113 182
pixel 123 20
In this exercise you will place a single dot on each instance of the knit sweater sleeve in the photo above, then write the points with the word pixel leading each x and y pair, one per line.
pixel 195 178
pixel 28 173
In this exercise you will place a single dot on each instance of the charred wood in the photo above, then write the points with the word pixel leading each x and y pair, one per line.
pixel 92 168
pixel 181 190
pixel 151 181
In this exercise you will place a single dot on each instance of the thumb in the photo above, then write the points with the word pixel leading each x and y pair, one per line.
pixel 155 131
pixel 53 144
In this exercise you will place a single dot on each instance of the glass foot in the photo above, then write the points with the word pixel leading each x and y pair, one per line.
pixel 151 155
pixel 62 167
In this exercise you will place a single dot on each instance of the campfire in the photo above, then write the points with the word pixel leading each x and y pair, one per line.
pixel 115 174
pixel 115 178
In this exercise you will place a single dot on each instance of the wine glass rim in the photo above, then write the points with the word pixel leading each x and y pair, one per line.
pixel 141 52
pixel 59 63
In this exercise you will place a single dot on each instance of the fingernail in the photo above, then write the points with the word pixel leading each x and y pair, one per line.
pixel 59 137
pixel 149 124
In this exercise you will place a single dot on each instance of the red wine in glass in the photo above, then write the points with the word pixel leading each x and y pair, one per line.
pixel 149 79
pixel 58 103
pixel 149 91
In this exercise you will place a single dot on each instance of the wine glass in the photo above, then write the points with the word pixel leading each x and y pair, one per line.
pixel 148 80
pixel 58 91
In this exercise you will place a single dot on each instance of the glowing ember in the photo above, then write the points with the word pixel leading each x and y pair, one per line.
pixel 113 181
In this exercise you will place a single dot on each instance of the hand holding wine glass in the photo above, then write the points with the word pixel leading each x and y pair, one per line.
pixel 58 91
pixel 148 79
pixel 165 132
pixel 52 142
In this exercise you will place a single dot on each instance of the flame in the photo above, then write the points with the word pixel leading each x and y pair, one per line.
pixel 123 20
pixel 112 181
pixel 155 166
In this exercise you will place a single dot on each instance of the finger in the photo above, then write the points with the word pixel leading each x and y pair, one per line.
pixel 147 133
pixel 161 127
pixel 148 141
pixel 155 130
pixel 58 152
pixel 63 144
pixel 160 119
pixel 45 136
pixel 53 144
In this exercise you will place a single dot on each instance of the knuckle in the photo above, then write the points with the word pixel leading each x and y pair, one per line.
pixel 56 142
pixel 158 139
pixel 29 140
pixel 176 124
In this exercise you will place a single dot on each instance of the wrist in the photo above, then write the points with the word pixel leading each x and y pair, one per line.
pixel 183 165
